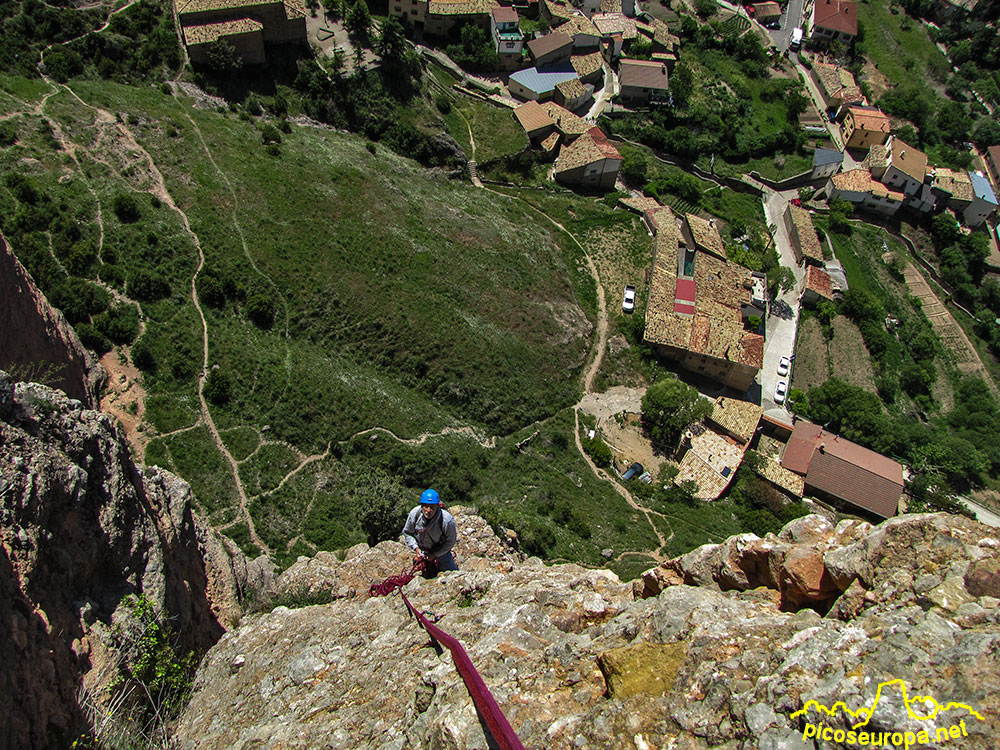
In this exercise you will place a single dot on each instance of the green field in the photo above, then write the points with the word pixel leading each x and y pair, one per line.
pixel 899 45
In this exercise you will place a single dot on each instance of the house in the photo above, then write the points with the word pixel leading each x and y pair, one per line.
pixel 663 39
pixel 984 203
pixel 539 84
pixel 586 37
pixel 589 67
pixel 556 11
pixel 710 461
pixel 437 18
pixel 587 7
pixel 902 167
pixel 834 20
pixel 246 25
pixel 507 37
pixel 766 13
pixel 826 163
pixel 643 81
pixel 993 164
pixel 618 31
pixel 816 285
pixel 572 94
pixel 863 127
pixel 591 161
pixel 735 417
pixel 569 126
pixel 858 187
pixel 805 242
pixel 535 120
pixel 836 85
pixel 696 309
pixel 551 49
pixel 701 234
pixel 844 473
pixel 952 188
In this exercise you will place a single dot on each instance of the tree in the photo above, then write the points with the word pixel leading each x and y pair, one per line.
pixel 127 208
pixel 218 387
pixel 260 310
pixel 380 498
pixel 223 59
pixel 682 84
pixel 358 23
pixel 781 278
pixel 669 406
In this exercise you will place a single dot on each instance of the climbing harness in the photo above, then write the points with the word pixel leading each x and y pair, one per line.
pixel 486 705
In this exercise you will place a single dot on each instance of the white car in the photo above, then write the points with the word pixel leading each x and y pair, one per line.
pixel 783 364
pixel 628 302
pixel 779 392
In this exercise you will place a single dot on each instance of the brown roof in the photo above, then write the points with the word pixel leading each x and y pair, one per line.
pixel 715 329
pixel 584 65
pixel 909 160
pixel 590 147
pixel 532 117
pixel 870 119
pixel 993 152
pixel 738 418
pixel 567 123
pixel 662 35
pixel 571 89
pixel 838 82
pixel 550 142
pixel 808 239
pixel 710 462
pixel 766 10
pixel 460 7
pixel 643 74
pixel 957 184
pixel 836 15
pixel 615 23
pixel 640 204
pixel 505 15
pixel 548 43
pixel 705 235
pixel 773 472
pixel 578 25
pixel 819 281
pixel 853 180
pixel 844 469
pixel 210 32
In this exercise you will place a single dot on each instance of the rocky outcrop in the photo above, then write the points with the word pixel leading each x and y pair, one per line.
pixel 82 527
pixel 35 339
pixel 576 661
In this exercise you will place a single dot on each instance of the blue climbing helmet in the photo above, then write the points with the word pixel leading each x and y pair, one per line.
pixel 430 497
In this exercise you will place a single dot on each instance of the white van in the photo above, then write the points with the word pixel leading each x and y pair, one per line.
pixel 796 38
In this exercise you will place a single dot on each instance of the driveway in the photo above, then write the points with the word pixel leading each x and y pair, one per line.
pixel 783 312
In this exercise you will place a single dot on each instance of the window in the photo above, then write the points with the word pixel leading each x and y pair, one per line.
pixel 510 45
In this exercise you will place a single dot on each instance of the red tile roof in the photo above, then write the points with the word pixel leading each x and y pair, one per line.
pixel 837 15
pixel 819 281
pixel 605 146
pixel 505 15
pixel 844 469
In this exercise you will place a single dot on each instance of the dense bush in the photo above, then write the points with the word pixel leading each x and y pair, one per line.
pixel 218 387
pixel 146 285
pixel 126 208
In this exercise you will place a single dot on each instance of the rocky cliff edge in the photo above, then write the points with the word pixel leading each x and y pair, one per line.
pixel 722 648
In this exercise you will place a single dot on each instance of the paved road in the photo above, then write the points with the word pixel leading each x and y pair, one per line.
pixel 983 515
pixel 783 313
pixel 790 18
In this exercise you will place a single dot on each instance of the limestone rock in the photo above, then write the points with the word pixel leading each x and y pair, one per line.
pixel 643 668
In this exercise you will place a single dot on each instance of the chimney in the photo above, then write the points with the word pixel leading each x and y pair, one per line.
pixel 822 446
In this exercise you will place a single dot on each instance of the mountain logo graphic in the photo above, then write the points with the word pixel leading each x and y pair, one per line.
pixel 918 708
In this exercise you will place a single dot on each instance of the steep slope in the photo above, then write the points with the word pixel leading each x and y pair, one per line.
pixel 577 661
pixel 82 528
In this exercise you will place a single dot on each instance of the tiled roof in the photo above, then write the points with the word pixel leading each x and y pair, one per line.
pixel 956 184
pixel 715 328
pixel 207 33
pixel 819 281
pixel 870 119
pixel 877 157
pixel 640 204
pixel 993 153
pixel 615 23
pixel 572 89
pixel 766 10
pixel 773 472
pixel 460 7
pixel 662 34
pixel 584 65
pixel 710 462
pixel 705 235
pixel 578 24
pixel 567 123
pixel 611 6
pixel 550 142
pixel 808 239
pixel 738 418
pixel 853 180
pixel 836 15
pixel 548 43
pixel 558 9
pixel 505 15
pixel 908 160
pixel 835 79
pixel 643 74
pixel 590 147
pixel 531 116
pixel 199 6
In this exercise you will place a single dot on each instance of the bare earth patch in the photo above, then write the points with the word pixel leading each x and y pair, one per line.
pixel 875 79
pixel 618 412
pixel 849 355
pixel 811 362
pixel 124 397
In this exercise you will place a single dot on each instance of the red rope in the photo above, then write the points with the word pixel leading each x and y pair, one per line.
pixel 487 706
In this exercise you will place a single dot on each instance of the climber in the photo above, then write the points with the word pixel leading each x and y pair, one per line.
pixel 430 531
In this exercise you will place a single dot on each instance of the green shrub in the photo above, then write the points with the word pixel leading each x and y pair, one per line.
pixel 260 310
pixel 218 387
pixel 127 208
pixel 146 286
pixel 8 133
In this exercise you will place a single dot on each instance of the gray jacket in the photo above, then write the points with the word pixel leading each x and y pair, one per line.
pixel 434 537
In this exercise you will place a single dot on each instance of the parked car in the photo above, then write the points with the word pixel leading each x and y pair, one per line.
pixel 628 302
pixel 634 470
pixel 783 364
pixel 779 392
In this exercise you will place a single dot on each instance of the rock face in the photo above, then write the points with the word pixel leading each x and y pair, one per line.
pixel 35 337
pixel 81 527
pixel 577 661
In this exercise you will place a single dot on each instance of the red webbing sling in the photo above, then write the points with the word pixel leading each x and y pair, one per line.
pixel 485 703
